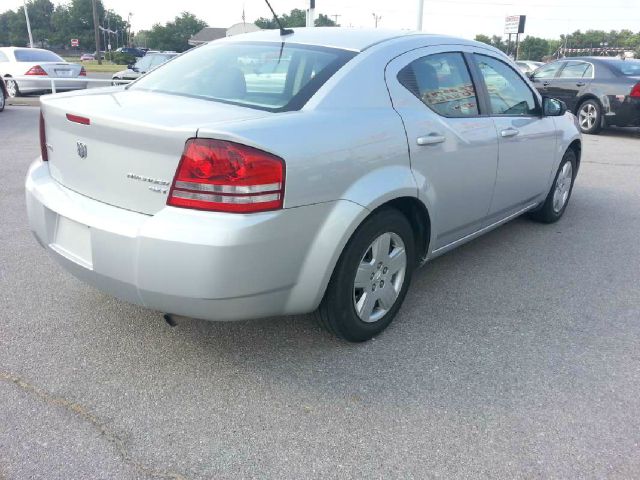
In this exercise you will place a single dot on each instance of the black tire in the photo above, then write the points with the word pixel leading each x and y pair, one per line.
pixel 594 106
pixel 337 312
pixel 12 88
pixel 3 100
pixel 547 213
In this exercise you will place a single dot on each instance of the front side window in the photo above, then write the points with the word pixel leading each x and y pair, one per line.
pixel 443 83
pixel 267 76
pixel 143 64
pixel 547 71
pixel 508 93
pixel 576 70
pixel 35 55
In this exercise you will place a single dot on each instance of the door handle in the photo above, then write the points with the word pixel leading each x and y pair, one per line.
pixel 545 84
pixel 430 139
pixel 580 84
pixel 509 132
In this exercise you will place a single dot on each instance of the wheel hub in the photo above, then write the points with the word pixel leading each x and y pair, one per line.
pixel 379 277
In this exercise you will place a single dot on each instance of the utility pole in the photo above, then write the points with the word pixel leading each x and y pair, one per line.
pixel 96 31
pixel 376 19
pixel 335 17
pixel 311 13
pixel 26 15
pixel 420 14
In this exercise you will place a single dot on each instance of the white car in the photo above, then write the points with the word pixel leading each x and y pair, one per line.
pixel 196 192
pixel 37 64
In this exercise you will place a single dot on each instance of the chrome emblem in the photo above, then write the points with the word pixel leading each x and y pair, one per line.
pixel 82 149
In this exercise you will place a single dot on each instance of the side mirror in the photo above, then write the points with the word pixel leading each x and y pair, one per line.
pixel 552 107
pixel 529 75
pixel 130 66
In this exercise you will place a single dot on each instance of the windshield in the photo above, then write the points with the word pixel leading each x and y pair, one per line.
pixel 267 76
pixel 626 67
pixel 33 55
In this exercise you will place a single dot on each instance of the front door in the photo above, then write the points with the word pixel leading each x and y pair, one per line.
pixel 453 147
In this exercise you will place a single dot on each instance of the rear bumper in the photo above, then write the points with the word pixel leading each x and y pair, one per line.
pixel 32 86
pixel 624 113
pixel 206 265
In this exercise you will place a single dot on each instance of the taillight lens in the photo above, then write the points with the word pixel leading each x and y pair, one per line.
pixel 83 72
pixel 635 91
pixel 227 177
pixel 43 140
pixel 36 70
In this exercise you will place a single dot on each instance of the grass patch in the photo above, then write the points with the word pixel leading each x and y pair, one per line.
pixel 92 66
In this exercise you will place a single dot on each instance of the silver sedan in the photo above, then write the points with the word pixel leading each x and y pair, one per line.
pixel 30 70
pixel 267 174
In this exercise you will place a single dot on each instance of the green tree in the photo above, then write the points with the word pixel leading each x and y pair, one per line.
pixel 534 48
pixel 175 35
pixel 296 18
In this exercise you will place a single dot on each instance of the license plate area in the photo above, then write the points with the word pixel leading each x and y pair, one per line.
pixel 72 240
pixel 63 73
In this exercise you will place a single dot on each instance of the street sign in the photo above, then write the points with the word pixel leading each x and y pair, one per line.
pixel 75 42
pixel 514 24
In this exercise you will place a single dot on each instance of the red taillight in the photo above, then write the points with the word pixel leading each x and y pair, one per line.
pixel 78 119
pixel 36 70
pixel 227 177
pixel 43 140
pixel 635 91
pixel 83 72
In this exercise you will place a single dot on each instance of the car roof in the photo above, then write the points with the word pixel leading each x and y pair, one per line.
pixel 356 39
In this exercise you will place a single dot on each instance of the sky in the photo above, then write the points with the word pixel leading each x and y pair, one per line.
pixel 463 18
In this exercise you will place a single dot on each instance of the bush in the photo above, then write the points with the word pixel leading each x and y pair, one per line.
pixel 120 58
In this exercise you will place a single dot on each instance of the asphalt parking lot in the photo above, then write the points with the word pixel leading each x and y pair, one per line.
pixel 515 356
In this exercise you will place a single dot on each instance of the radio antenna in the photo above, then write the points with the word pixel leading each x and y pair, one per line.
pixel 283 31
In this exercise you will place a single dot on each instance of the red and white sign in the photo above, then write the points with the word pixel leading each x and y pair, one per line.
pixel 75 42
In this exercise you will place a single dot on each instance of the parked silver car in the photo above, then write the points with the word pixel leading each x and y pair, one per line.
pixel 220 186
pixel 142 66
pixel 37 64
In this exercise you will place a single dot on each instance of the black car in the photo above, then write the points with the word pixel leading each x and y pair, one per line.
pixel 600 91
pixel 136 52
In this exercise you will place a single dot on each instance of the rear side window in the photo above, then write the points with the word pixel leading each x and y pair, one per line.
pixel 443 83
pixel 33 55
pixel 576 70
pixel 626 67
pixel 267 76
pixel 508 93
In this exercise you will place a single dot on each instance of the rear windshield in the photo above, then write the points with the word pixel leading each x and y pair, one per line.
pixel 626 67
pixel 267 76
pixel 32 55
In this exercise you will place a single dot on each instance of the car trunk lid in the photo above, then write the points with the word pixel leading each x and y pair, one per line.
pixel 61 69
pixel 123 147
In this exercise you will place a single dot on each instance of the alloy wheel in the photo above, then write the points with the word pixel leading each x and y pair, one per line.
pixel 588 116
pixel 379 277
pixel 563 187
pixel 12 88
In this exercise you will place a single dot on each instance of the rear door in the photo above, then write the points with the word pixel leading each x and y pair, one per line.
pixel 526 139
pixel 452 142
pixel 572 82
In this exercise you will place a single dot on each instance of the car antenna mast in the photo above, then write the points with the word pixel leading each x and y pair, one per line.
pixel 283 31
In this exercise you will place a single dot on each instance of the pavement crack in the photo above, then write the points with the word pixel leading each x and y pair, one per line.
pixel 612 164
pixel 82 412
